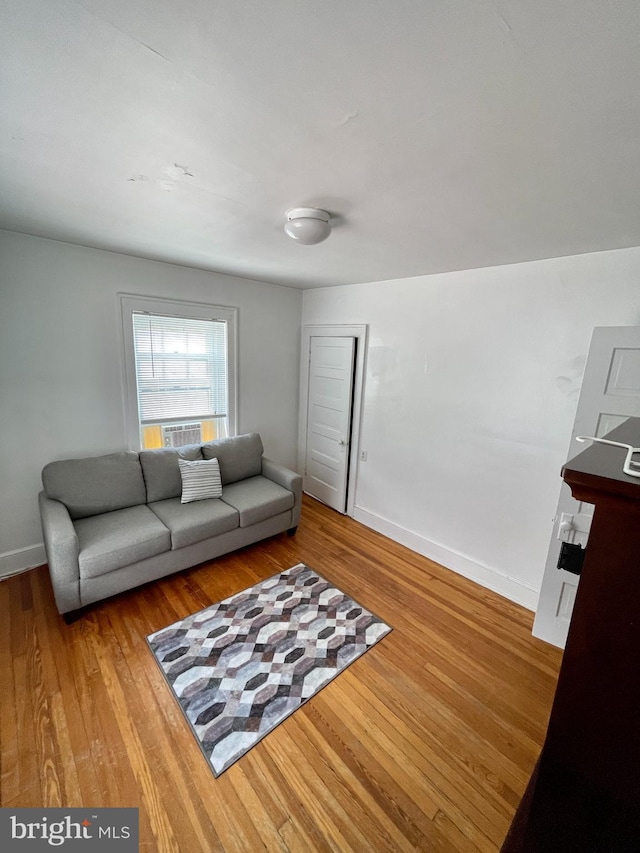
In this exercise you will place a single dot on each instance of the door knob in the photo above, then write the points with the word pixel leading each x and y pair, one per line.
pixel 565 526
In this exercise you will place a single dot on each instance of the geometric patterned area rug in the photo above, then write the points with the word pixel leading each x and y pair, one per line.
pixel 240 667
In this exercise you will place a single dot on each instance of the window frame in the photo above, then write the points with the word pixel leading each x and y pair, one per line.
pixel 130 303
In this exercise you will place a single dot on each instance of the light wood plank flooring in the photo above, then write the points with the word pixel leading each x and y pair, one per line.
pixel 424 743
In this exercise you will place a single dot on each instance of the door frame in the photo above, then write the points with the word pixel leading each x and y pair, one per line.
pixel 360 333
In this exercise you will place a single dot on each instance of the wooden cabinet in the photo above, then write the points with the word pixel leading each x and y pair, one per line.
pixel 584 794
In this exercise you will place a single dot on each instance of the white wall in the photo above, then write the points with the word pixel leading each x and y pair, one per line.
pixel 471 387
pixel 61 364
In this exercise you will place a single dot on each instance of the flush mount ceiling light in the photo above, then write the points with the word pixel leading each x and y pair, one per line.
pixel 308 225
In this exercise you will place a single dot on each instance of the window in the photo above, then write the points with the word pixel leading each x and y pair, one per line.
pixel 180 368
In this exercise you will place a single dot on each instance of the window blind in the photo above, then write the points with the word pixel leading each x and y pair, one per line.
pixel 181 368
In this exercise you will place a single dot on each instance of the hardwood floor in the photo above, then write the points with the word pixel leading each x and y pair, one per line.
pixel 425 743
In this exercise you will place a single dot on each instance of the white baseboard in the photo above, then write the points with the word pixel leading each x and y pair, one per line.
pixel 14 562
pixel 511 588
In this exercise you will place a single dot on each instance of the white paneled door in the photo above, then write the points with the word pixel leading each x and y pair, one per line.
pixel 610 394
pixel 330 401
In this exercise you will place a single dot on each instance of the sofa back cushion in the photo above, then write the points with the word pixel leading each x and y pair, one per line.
pixel 162 472
pixel 239 457
pixel 96 484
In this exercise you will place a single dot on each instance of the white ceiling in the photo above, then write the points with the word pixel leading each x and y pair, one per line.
pixel 441 134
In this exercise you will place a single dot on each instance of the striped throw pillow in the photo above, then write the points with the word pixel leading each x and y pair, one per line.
pixel 200 480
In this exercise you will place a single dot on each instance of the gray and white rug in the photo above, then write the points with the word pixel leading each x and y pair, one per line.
pixel 240 667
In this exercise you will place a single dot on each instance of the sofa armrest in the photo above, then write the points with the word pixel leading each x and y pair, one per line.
pixel 61 546
pixel 287 479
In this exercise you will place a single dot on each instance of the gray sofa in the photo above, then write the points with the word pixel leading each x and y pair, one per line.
pixel 114 522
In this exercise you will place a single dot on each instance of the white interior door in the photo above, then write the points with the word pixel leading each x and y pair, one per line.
pixel 331 370
pixel 610 394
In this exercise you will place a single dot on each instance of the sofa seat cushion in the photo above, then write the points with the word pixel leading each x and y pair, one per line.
pixel 257 499
pixel 116 539
pixel 193 522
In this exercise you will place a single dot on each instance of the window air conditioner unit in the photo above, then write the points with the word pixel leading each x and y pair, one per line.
pixel 177 436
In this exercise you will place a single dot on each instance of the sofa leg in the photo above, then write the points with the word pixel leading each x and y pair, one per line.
pixel 292 531
pixel 73 615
